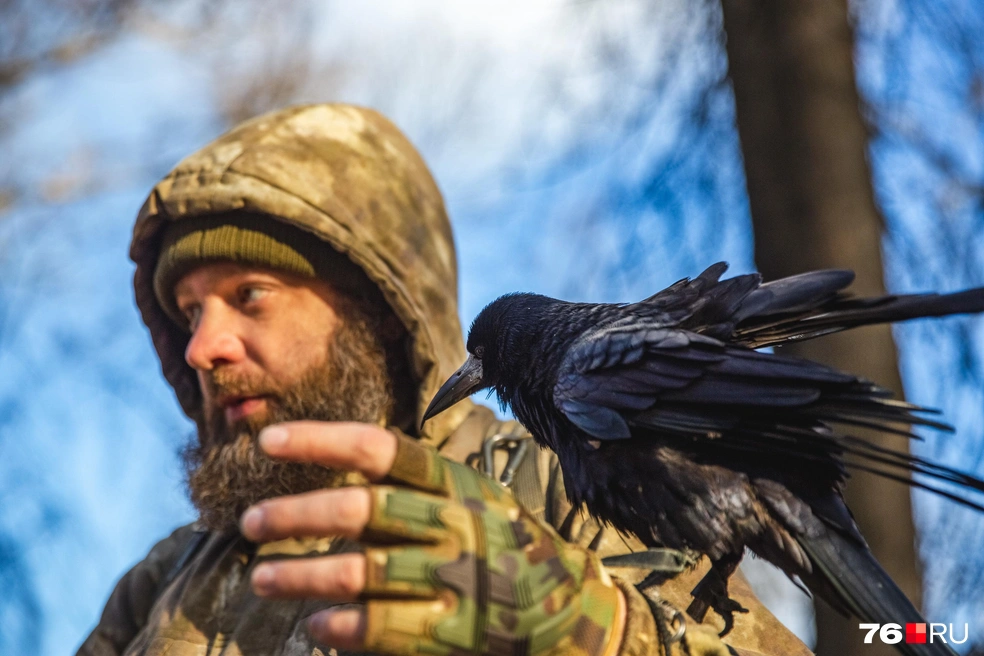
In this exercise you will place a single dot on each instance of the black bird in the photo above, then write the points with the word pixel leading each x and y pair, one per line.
pixel 669 425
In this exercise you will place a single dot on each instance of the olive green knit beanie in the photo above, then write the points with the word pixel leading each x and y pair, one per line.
pixel 254 240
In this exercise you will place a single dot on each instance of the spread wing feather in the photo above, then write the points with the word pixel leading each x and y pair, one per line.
pixel 648 382
pixel 622 368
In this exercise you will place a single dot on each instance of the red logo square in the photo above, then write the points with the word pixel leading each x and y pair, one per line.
pixel 915 634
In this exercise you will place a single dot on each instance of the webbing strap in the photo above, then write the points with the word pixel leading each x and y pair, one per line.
pixel 522 471
pixel 196 540
pixel 526 486
pixel 666 561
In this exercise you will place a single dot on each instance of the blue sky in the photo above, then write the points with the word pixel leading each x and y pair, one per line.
pixel 564 173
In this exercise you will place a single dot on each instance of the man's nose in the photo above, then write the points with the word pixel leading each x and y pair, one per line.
pixel 214 341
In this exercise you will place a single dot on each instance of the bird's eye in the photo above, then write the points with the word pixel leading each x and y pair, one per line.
pixel 479 352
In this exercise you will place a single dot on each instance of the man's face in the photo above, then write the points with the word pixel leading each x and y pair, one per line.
pixel 270 347
pixel 253 325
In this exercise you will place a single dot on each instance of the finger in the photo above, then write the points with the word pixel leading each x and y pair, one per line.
pixel 420 466
pixel 341 628
pixel 340 512
pixel 341 577
pixel 408 627
pixel 399 512
pixel 408 572
pixel 350 446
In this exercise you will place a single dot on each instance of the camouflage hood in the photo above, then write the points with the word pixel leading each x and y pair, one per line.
pixel 349 177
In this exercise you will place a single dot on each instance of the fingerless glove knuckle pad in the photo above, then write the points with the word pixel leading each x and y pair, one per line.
pixel 476 573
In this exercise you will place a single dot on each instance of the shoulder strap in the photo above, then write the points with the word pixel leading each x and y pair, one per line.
pixel 526 485
pixel 195 540
pixel 521 473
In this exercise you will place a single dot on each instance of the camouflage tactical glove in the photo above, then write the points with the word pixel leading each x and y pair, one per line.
pixel 500 581
pixel 451 563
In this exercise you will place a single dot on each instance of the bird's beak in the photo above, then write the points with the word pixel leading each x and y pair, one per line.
pixel 460 385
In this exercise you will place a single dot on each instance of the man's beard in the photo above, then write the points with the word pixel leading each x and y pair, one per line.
pixel 227 471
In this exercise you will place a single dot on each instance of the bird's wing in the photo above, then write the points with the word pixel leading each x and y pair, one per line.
pixel 671 378
pixel 715 307
pixel 632 378
pixel 704 301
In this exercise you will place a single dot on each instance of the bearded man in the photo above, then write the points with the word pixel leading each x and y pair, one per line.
pixel 298 279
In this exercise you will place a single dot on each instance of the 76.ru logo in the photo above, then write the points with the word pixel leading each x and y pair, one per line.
pixel 915 633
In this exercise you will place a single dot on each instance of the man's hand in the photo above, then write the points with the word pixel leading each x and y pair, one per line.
pixel 451 562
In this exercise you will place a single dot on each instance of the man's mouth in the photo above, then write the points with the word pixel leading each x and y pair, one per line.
pixel 237 408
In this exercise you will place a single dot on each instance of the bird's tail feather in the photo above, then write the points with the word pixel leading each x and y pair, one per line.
pixel 846 574
pixel 843 312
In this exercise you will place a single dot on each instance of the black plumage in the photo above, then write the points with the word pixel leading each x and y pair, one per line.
pixel 669 425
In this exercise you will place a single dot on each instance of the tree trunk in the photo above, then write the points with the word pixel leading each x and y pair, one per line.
pixel 812 204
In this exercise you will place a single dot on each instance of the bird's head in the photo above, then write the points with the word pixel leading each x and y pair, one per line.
pixel 500 345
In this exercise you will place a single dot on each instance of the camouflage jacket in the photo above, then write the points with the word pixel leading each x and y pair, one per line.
pixel 191 594
pixel 348 177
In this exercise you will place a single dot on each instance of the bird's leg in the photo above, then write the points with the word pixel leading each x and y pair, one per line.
pixel 712 592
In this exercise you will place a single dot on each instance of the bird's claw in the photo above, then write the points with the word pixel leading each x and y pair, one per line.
pixel 712 593
pixel 727 608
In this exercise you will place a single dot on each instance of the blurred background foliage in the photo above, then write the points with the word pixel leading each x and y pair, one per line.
pixel 589 150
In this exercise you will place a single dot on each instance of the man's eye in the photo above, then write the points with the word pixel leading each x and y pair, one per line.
pixel 191 314
pixel 251 294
